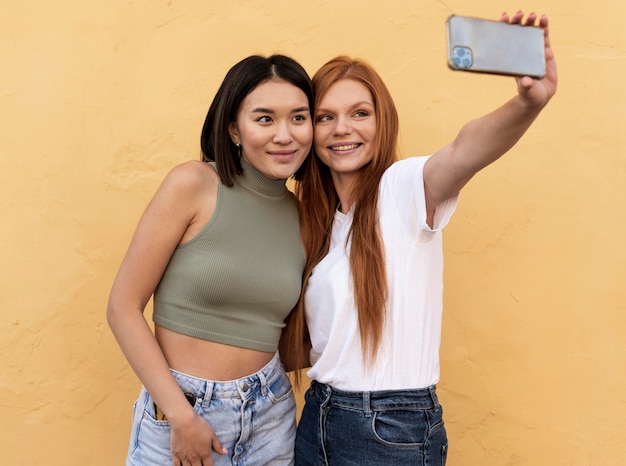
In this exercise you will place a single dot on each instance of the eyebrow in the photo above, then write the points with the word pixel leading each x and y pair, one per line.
pixel 269 110
pixel 356 104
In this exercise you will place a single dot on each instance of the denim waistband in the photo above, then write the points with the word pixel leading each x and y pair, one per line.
pixel 244 388
pixel 422 398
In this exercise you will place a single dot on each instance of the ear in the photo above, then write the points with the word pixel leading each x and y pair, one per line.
pixel 234 134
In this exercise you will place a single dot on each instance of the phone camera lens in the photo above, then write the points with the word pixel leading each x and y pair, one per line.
pixel 462 57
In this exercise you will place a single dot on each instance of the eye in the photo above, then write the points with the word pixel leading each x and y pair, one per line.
pixel 302 117
pixel 361 114
pixel 264 119
pixel 323 117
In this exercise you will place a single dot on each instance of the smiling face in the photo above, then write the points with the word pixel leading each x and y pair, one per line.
pixel 345 129
pixel 274 129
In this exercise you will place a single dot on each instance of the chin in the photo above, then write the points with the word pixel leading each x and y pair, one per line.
pixel 277 174
pixel 285 171
pixel 284 175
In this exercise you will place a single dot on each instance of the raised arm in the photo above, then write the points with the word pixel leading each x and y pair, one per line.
pixel 485 139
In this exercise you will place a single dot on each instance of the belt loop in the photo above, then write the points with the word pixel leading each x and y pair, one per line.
pixel 263 382
pixel 326 393
pixel 208 394
pixel 312 387
pixel 433 396
pixel 367 407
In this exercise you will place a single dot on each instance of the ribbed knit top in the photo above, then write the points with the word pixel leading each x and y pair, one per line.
pixel 236 281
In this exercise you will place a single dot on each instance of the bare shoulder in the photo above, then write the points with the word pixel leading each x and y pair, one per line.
pixel 189 181
pixel 193 174
pixel 191 189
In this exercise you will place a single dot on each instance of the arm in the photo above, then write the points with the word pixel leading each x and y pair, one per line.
pixel 484 140
pixel 169 215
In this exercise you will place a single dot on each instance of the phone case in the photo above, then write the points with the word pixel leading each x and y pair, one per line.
pixel 495 47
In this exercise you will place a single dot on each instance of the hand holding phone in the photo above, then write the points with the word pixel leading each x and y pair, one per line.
pixel 495 47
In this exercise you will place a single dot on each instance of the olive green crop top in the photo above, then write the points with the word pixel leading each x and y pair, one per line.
pixel 236 281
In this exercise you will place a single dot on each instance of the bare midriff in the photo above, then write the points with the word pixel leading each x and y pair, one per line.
pixel 207 359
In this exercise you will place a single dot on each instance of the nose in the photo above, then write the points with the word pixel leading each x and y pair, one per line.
pixel 342 125
pixel 283 134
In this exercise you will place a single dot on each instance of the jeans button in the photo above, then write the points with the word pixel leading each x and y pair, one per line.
pixel 245 386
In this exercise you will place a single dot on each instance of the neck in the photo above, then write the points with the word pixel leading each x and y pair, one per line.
pixel 343 187
pixel 257 181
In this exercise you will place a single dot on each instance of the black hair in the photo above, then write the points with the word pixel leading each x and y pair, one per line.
pixel 240 81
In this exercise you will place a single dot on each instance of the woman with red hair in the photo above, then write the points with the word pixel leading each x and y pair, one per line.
pixel 370 312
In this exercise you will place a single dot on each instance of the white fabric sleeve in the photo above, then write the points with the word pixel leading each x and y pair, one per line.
pixel 403 185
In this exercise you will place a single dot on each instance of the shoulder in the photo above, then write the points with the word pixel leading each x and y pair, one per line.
pixel 186 198
pixel 187 186
pixel 409 170
pixel 191 177
pixel 410 163
pixel 192 172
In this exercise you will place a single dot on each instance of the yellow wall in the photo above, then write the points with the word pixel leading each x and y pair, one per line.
pixel 99 99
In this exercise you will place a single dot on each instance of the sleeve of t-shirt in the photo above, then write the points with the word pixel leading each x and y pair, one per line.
pixel 403 183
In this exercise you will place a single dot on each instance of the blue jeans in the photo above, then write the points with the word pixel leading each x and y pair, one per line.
pixel 254 418
pixel 403 427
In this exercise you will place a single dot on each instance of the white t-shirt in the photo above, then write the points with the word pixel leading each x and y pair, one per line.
pixel 408 356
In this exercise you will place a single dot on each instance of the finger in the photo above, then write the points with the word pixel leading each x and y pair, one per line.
pixel 530 20
pixel 504 17
pixel 218 447
pixel 517 17
pixel 543 23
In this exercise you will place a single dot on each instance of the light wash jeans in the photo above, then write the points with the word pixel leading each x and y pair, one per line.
pixel 390 428
pixel 253 417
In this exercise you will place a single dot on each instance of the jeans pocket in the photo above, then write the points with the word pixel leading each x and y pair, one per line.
pixel 153 443
pixel 150 413
pixel 401 428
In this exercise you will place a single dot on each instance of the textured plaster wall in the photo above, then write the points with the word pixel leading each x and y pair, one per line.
pixel 99 99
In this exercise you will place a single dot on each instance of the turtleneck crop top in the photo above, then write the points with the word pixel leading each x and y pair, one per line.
pixel 236 281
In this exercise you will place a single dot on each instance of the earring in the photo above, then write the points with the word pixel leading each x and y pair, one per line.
pixel 238 149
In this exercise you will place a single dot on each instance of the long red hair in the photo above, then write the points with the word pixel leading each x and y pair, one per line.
pixel 319 201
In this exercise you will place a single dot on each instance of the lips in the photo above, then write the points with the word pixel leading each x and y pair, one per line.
pixel 283 152
pixel 284 155
pixel 344 147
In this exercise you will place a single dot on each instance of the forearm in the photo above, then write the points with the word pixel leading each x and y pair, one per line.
pixel 480 142
pixel 484 140
pixel 144 355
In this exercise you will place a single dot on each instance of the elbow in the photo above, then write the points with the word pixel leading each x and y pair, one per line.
pixel 115 313
pixel 112 315
pixel 123 310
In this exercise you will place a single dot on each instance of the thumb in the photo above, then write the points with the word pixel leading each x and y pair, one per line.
pixel 525 87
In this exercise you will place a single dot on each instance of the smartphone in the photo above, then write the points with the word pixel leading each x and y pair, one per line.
pixel 495 47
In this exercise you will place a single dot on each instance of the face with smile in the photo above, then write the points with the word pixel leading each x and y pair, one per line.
pixel 345 129
pixel 274 129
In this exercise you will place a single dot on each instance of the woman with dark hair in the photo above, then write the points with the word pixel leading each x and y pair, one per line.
pixel 219 249
pixel 371 307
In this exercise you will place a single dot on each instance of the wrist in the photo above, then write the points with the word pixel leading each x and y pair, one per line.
pixel 181 414
pixel 528 107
